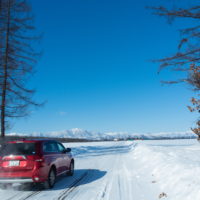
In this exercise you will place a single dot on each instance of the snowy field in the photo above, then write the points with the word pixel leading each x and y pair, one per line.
pixel 142 170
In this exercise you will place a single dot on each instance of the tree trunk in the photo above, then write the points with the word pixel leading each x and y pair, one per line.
pixel 5 74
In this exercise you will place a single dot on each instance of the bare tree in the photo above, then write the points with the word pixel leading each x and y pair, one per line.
pixel 17 58
pixel 187 57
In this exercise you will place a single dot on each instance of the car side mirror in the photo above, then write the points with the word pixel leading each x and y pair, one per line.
pixel 67 150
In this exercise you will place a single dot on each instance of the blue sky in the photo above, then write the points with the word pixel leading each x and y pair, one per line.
pixel 96 73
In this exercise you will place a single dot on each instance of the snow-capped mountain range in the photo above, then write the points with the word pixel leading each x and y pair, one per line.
pixel 91 135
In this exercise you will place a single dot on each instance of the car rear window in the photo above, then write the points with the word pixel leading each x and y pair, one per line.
pixel 17 149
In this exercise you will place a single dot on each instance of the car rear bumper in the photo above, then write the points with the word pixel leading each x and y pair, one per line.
pixel 16 180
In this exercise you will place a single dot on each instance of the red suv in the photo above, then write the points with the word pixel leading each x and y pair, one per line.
pixel 37 161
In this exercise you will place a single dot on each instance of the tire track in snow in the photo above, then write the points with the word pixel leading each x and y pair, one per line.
pixel 30 195
pixel 104 191
pixel 22 196
pixel 105 194
pixel 72 187
pixel 116 184
pixel 15 195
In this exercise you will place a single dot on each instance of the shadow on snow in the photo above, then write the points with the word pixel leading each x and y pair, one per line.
pixel 80 177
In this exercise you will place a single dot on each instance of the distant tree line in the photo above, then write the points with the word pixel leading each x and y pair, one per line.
pixel 17 59
pixel 187 57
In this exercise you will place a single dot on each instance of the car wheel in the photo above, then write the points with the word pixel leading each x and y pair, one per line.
pixel 51 179
pixel 71 169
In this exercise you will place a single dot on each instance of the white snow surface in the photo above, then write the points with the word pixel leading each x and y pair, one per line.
pixel 92 135
pixel 125 170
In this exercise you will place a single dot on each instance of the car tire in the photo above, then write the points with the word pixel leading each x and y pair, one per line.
pixel 71 169
pixel 50 182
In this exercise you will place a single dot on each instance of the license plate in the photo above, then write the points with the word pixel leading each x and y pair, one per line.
pixel 14 163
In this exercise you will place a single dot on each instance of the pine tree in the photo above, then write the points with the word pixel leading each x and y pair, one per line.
pixel 187 57
pixel 17 59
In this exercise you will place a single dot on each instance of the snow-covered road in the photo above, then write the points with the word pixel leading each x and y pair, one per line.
pixel 143 170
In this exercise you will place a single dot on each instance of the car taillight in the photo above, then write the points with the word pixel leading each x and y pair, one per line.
pixel 13 157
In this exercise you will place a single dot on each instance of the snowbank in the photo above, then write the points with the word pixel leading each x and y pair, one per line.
pixel 174 166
